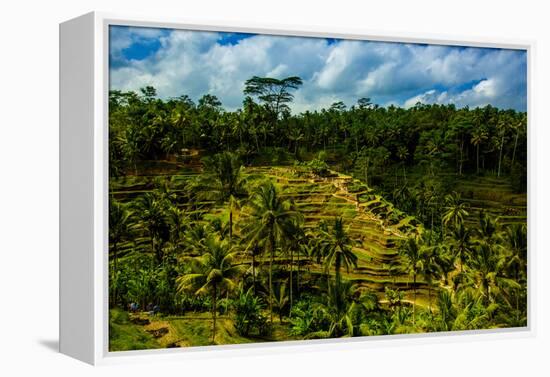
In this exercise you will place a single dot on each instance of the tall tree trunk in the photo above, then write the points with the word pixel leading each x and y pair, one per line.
pixel 515 146
pixel 272 252
pixel 461 156
pixel 115 268
pixel 500 155
pixel 430 297
pixel 230 222
pixel 291 261
pixel 254 271
pixel 517 293
pixel 298 276
pixel 337 266
pixel 477 159
pixel 367 171
pixel 414 299
pixel 153 247
pixel 214 312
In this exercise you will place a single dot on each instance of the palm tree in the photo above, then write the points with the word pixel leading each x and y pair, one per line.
pixel 132 147
pixel 239 126
pixel 446 314
pixel 292 246
pixel 152 214
pixel 295 135
pixel 402 154
pixel 456 210
pixel 254 252
pixel 411 251
pixel 272 220
pixel 486 272
pixel 516 236
pixel 180 121
pixel 337 249
pixel 471 313
pixel 519 127
pixel 177 220
pixel 461 244
pixel 479 135
pixel 429 269
pixel 445 261
pixel 222 182
pixel 340 309
pixel 281 300
pixel 213 273
pixel 121 225
pixel 502 127
pixel 193 237
pixel 248 312
pixel 372 136
pixel 487 228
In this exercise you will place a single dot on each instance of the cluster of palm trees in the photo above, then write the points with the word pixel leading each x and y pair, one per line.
pixel 368 139
pixel 210 257
pixel 481 265
pixel 264 260
pixel 224 243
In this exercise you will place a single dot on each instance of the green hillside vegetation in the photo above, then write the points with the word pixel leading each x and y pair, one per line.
pixel 260 225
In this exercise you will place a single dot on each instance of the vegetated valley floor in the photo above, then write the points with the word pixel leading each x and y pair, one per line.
pixel 365 215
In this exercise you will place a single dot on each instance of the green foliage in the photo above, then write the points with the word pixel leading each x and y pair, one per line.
pixel 318 167
pixel 248 314
pixel 308 317
pixel 428 233
pixel 124 335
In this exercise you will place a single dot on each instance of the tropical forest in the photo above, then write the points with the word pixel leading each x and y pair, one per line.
pixel 261 224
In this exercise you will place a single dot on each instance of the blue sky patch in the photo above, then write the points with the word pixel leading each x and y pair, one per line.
pixel 232 38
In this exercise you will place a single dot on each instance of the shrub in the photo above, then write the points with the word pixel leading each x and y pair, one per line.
pixel 308 317
pixel 248 314
pixel 319 167
pixel 194 303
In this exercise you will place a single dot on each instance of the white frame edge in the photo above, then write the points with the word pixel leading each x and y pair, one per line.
pixel 84 277
pixel 76 175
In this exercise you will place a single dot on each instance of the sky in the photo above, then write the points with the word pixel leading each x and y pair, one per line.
pixel 178 62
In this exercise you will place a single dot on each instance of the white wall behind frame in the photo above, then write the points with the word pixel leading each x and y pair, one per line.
pixel 28 151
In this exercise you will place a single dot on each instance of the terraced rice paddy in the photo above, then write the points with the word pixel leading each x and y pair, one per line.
pixel 376 227
pixel 323 199
pixel 494 196
pixel 318 199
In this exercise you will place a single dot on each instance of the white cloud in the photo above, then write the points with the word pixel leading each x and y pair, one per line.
pixel 490 91
pixel 195 63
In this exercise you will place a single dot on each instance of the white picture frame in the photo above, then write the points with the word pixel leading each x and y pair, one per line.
pixel 84 190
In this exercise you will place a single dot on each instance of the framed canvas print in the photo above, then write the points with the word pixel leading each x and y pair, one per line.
pixel 233 188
